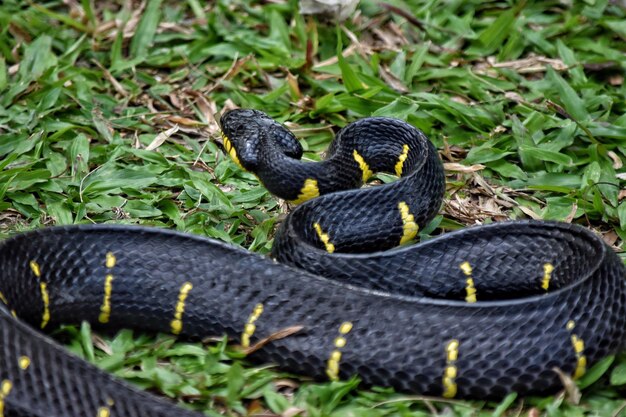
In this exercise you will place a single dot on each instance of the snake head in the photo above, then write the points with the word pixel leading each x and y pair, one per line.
pixel 246 131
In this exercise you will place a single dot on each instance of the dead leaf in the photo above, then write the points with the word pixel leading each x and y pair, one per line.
pixel 280 334
pixel 107 74
pixel 293 85
pixel 513 96
pixel 610 238
pixel 229 105
pixel 532 64
pixel 456 167
pixel 616 79
pixel 105 27
pixel 230 73
pixel 101 344
pixel 617 161
pixel 286 383
pixel 364 49
pixel 175 100
pixel 572 213
pixel 184 121
pixel 533 412
pixel 527 211
pixel 161 138
pixel 292 412
pixel 392 81
pixel 13 69
pixel 390 40
pixel 572 391
pixel 333 60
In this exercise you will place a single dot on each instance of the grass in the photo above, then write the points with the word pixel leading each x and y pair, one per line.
pixel 107 115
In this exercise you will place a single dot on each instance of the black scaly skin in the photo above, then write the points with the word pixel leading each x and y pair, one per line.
pixel 373 221
pixel 510 340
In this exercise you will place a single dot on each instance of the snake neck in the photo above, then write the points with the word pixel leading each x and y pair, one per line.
pixel 269 150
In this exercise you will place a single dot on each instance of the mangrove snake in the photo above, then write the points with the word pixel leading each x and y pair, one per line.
pixel 476 313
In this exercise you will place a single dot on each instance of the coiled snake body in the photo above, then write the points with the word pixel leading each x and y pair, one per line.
pixel 477 313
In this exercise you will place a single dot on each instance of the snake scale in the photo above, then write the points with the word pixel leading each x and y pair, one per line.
pixel 476 313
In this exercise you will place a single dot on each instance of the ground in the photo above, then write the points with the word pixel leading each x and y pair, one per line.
pixel 107 114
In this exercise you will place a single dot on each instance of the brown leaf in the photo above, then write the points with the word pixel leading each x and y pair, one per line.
pixel 101 344
pixel 456 167
pixel 527 211
pixel 572 391
pixel 617 161
pixel 161 138
pixel 286 383
pixel 293 85
pixel 105 27
pixel 333 60
pixel 235 67
pixel 513 96
pixel 610 238
pixel 393 81
pixel 363 49
pixel 406 14
pixel 184 121
pixel 533 412
pixel 280 334
pixel 572 213
pixel 176 101
pixel 532 64
pixel 616 79
pixel 292 412
pixel 107 74
pixel 255 407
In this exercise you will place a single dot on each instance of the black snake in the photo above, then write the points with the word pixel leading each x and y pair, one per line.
pixel 476 313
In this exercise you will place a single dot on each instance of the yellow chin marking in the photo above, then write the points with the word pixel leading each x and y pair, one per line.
pixel 177 324
pixel 365 169
pixel 401 159
pixel 547 271
pixel 231 150
pixel 409 227
pixel 450 372
pixel 309 190
pixel 330 248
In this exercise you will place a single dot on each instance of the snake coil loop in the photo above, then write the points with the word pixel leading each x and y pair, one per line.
pixel 476 313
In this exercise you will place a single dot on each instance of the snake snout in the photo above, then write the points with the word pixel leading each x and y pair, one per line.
pixel 240 135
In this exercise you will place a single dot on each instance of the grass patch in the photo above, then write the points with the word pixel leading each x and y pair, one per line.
pixel 107 115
